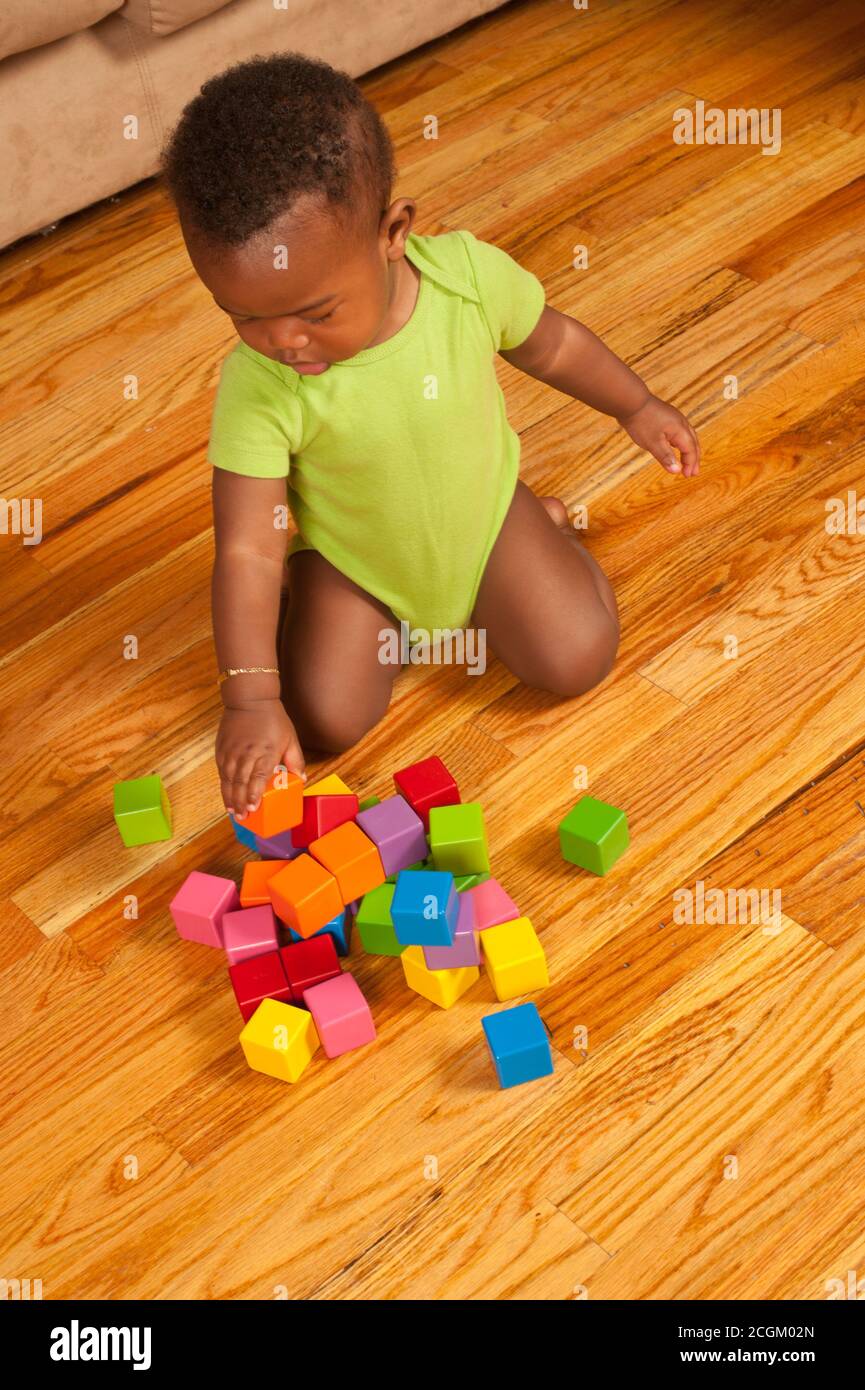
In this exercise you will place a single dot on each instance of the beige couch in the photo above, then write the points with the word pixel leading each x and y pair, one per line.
pixel 90 88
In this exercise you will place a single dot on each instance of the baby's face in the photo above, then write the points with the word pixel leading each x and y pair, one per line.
pixel 307 293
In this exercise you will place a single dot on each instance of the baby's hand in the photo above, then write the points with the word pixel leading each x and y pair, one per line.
pixel 659 428
pixel 251 743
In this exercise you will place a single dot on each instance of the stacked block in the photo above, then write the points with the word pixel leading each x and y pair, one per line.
pixel 323 813
pixel 458 839
pixel 491 904
pixel 279 1040
pixel 465 949
pixel 593 835
pixel 442 987
pixel 305 896
pixel 200 906
pixel 308 963
pixel 518 1044
pixel 255 884
pixel 352 858
pixel 397 833
pixel 280 808
pixel 277 847
pixel 328 786
pixel 341 1014
pixel 338 928
pixel 426 784
pixel 514 958
pixel 257 978
pixel 249 932
pixel 424 908
pixel 246 837
pixel 375 924
pixel 142 811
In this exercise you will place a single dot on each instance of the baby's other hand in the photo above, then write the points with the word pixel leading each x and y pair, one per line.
pixel 253 740
pixel 659 428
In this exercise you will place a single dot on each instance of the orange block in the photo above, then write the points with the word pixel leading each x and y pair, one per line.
pixel 280 808
pixel 256 876
pixel 305 895
pixel 352 858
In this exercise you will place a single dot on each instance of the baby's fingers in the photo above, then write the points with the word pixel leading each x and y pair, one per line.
pixel 292 756
pixel 684 439
pixel 239 788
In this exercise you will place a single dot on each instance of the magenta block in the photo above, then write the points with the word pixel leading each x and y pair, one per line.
pixel 340 1013
pixel 491 904
pixel 396 831
pixel 465 950
pixel 200 905
pixel 249 932
pixel 277 847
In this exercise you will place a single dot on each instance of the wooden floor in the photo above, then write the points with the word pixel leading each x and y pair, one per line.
pixel 704 1138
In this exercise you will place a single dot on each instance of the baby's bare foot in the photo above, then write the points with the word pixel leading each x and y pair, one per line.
pixel 556 508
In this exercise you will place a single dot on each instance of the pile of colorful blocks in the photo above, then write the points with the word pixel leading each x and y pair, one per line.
pixel 411 872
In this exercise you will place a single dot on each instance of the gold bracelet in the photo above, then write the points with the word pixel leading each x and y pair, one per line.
pixel 246 671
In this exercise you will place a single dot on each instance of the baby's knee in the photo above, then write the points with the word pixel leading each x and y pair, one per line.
pixel 334 722
pixel 576 666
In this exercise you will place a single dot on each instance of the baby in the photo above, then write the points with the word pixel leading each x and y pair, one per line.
pixel 363 394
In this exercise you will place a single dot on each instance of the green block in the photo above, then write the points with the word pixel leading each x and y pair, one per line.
pixel 370 801
pixel 458 839
pixel 593 835
pixel 374 924
pixel 412 868
pixel 141 811
pixel 469 881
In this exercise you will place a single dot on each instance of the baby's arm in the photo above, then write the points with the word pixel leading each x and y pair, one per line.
pixel 255 733
pixel 564 353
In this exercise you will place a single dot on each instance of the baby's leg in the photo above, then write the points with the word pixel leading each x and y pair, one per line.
pixel 334 687
pixel 548 609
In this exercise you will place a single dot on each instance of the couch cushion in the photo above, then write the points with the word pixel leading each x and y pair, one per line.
pixel 166 16
pixel 24 25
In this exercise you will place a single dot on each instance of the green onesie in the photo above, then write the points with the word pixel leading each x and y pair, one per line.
pixel 400 461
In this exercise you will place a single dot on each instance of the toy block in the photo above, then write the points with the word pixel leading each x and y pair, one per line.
pixel 340 1013
pixel 492 904
pixel 257 978
pixel 397 833
pixel 243 836
pixel 255 884
pixel 411 869
pixel 368 802
pixel 280 807
pixel 426 784
pixel 424 908
pixel 329 786
pixel 338 928
pixel 375 924
pixel 279 1040
pixel 465 949
pixel 514 958
pixel 305 895
pixel 442 987
pixel 458 838
pixel 200 905
pixel 593 835
pixel 352 858
pixel 277 847
pixel 466 881
pixel 142 811
pixel 518 1044
pixel 249 932
pixel 307 963
pixel 321 814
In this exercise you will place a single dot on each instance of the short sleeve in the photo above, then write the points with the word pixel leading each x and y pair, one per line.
pixel 511 297
pixel 254 424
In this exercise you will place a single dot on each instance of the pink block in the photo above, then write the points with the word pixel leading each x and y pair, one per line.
pixel 465 949
pixel 340 1013
pixel 249 932
pixel 200 905
pixel 491 904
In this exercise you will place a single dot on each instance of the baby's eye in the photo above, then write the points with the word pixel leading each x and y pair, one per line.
pixel 328 315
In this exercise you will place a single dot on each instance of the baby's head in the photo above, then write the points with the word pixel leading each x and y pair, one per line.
pixel 281 173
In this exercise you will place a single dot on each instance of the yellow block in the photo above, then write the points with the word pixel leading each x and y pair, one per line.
pixel 514 958
pixel 442 987
pixel 279 1040
pixel 328 786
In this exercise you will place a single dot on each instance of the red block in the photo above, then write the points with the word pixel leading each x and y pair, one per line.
pixel 323 813
pixel 427 784
pixel 260 977
pixel 310 962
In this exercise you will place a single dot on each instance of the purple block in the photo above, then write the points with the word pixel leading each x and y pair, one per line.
pixel 277 847
pixel 396 832
pixel 465 950
pixel 249 932
pixel 199 906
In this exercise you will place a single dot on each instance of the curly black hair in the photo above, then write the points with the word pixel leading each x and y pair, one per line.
pixel 268 130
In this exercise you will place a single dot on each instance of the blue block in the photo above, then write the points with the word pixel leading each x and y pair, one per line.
pixel 518 1044
pixel 244 836
pixel 339 927
pixel 425 907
